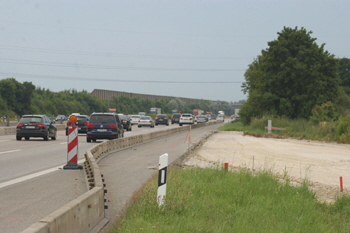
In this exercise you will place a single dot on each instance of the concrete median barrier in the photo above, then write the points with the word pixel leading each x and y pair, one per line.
pixel 88 213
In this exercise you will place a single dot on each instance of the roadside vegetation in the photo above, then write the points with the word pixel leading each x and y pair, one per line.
pixel 303 89
pixel 18 98
pixel 337 131
pixel 214 200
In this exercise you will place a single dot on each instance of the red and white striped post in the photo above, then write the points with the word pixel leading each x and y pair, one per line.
pixel 72 154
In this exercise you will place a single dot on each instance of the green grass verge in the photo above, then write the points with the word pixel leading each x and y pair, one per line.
pixel 298 128
pixel 214 200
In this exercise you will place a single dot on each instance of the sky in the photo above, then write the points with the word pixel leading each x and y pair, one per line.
pixel 184 48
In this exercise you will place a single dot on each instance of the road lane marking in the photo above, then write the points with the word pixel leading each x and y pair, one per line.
pixel 34 175
pixel 9 151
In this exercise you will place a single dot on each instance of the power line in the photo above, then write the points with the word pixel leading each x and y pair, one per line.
pixel 110 54
pixel 50 77
pixel 88 66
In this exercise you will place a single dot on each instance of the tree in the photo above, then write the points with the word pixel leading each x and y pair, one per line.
pixel 177 104
pixel 17 96
pixel 344 73
pixel 290 77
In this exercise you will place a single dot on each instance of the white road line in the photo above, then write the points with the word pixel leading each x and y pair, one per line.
pixel 10 151
pixel 31 176
pixel 4 140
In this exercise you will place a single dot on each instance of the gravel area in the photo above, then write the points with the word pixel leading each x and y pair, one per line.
pixel 320 163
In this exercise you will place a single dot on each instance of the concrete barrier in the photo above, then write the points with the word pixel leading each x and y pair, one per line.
pixel 87 213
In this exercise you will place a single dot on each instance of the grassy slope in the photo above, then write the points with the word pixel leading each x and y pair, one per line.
pixel 213 200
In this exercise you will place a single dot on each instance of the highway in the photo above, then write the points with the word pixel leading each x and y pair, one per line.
pixel 33 183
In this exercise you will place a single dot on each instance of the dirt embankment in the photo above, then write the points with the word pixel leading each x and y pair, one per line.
pixel 320 163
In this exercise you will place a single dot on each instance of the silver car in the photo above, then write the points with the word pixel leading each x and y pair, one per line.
pixel 186 118
pixel 135 119
pixel 146 121
pixel 202 119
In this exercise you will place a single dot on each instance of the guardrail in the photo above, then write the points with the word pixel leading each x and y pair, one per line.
pixel 87 212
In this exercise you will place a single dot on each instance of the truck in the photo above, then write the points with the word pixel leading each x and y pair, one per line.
pixel 197 112
pixel 235 116
pixel 236 112
pixel 155 111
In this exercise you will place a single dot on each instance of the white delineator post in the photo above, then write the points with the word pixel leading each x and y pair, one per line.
pixel 269 126
pixel 162 175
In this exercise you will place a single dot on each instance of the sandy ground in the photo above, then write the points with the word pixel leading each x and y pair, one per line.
pixel 320 163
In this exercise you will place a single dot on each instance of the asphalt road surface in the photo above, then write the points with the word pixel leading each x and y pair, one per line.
pixel 33 183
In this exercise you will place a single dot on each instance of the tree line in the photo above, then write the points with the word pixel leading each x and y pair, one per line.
pixel 17 99
pixel 298 79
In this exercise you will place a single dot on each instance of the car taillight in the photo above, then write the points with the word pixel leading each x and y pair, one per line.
pixel 90 126
pixel 165 119
pixel 41 125
pixel 20 125
pixel 114 126
pixel 157 118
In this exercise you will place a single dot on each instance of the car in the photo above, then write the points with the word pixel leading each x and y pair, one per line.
pixel 175 118
pixel 161 119
pixel 202 119
pixel 126 121
pixel 82 123
pixel 36 126
pixel 212 117
pixel 134 119
pixel 104 125
pixel 220 117
pixel 61 118
pixel 142 114
pixel 146 121
pixel 186 118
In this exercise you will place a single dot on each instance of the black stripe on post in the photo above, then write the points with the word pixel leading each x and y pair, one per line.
pixel 162 173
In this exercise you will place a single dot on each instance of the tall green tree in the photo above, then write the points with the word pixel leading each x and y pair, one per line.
pixel 290 77
pixel 16 95
pixel 344 73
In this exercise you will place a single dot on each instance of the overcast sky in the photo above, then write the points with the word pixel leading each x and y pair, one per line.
pixel 183 48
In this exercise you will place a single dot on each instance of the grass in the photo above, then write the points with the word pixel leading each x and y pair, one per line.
pixel 217 201
pixel 298 128
pixel 214 200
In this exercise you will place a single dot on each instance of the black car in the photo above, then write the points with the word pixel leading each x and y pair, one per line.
pixel 175 118
pixel 104 126
pixel 161 119
pixel 126 121
pixel 82 124
pixel 38 126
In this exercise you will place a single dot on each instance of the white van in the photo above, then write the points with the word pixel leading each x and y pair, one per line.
pixel 220 117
